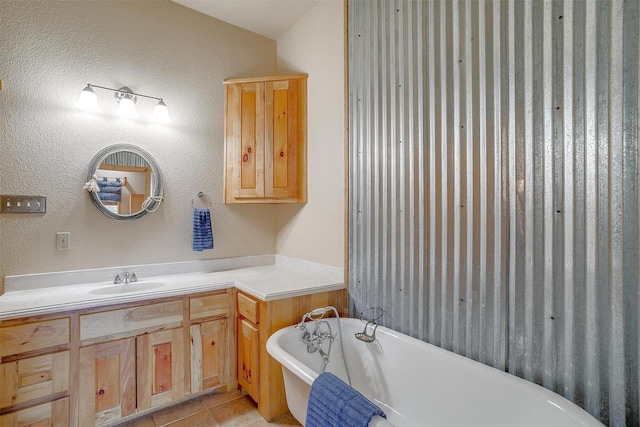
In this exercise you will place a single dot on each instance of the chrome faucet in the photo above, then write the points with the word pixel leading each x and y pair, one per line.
pixel 128 278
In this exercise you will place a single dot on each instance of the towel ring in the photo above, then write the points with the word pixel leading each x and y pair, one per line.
pixel 200 195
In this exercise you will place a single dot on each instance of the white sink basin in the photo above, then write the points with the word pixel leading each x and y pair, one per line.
pixel 127 288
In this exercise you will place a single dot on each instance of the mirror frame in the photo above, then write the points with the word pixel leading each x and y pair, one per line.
pixel 156 179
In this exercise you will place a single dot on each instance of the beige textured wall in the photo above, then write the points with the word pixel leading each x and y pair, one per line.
pixel 315 45
pixel 50 51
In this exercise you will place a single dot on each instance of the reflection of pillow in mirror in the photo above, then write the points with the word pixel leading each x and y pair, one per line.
pixel 110 189
pixel 109 197
pixel 108 184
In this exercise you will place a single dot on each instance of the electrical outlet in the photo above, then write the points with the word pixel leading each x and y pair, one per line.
pixel 62 240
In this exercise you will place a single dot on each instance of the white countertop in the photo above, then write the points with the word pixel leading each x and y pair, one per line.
pixel 265 277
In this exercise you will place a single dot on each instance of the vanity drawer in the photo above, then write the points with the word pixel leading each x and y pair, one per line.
pixel 130 321
pixel 209 306
pixel 34 377
pixel 248 308
pixel 54 413
pixel 33 336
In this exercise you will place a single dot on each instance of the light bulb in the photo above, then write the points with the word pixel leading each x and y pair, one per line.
pixel 161 113
pixel 127 108
pixel 88 100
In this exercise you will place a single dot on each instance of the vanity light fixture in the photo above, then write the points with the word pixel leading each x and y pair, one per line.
pixel 126 102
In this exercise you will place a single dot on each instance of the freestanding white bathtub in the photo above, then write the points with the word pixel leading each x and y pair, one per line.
pixel 419 384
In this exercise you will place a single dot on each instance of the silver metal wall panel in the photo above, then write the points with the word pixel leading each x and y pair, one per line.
pixel 494 186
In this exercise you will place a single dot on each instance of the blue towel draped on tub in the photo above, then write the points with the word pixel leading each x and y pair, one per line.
pixel 333 403
pixel 202 232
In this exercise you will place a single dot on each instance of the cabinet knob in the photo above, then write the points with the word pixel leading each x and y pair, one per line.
pixel 101 392
pixel 245 158
pixel 281 153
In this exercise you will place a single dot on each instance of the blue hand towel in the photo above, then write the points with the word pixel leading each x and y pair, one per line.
pixel 333 403
pixel 202 232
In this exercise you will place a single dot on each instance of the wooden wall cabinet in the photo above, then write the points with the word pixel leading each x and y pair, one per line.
pixel 257 320
pixel 265 140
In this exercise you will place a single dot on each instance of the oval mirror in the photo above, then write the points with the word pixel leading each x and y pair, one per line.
pixel 128 182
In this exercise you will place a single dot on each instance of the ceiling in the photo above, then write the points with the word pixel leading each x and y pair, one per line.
pixel 269 18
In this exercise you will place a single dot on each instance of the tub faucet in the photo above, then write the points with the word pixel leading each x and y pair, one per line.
pixel 117 280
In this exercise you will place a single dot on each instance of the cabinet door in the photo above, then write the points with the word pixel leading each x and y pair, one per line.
pixel 248 358
pixel 281 139
pixel 160 367
pixel 245 139
pixel 50 414
pixel 107 388
pixel 209 355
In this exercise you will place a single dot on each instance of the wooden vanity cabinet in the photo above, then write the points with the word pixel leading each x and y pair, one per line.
pixel 49 414
pixel 160 368
pixel 248 350
pixel 211 342
pixel 145 356
pixel 34 372
pixel 248 358
pixel 257 320
pixel 107 388
pixel 265 140
pixel 210 355
pixel 142 369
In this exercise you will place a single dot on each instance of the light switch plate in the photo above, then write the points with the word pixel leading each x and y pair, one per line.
pixel 62 240
pixel 22 204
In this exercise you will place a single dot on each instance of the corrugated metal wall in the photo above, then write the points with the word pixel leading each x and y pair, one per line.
pixel 493 201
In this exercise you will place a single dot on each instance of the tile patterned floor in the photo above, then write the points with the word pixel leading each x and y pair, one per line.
pixel 232 409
